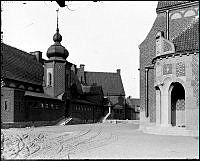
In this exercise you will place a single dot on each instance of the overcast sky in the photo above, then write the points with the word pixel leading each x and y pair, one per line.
pixel 103 35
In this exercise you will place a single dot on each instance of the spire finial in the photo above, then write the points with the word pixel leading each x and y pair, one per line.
pixel 57 37
pixel 57 19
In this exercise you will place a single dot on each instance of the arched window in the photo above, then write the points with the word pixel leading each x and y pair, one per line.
pixel 176 16
pixel 6 105
pixel 189 13
pixel 49 79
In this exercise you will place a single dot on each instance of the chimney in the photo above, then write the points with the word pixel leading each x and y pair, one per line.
pixel 38 55
pixel 81 74
pixel 82 66
pixel 118 71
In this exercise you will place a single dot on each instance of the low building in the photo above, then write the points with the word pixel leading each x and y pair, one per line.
pixel 112 87
pixel 132 110
pixel 22 95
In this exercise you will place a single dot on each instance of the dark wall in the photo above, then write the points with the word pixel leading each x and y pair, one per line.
pixel 86 112
pixel 7 94
pixel 40 109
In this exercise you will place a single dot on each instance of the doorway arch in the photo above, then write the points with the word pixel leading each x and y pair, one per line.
pixel 177 104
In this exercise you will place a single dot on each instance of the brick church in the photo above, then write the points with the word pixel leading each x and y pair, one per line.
pixel 169 67
pixel 44 92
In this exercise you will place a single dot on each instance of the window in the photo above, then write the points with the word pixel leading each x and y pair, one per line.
pixel 35 105
pixel 6 105
pixel 49 79
pixel 189 13
pixel 52 105
pixel 46 105
pixel 81 79
pixel 49 75
pixel 42 105
pixel 21 107
pixel 30 88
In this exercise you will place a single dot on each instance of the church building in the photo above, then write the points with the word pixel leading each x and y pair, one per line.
pixel 169 67
pixel 35 91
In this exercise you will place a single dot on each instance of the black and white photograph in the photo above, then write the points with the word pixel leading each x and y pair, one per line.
pixel 99 80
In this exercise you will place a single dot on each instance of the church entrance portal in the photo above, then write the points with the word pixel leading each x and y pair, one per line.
pixel 177 104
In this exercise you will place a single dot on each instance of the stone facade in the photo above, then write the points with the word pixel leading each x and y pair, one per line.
pixel 169 62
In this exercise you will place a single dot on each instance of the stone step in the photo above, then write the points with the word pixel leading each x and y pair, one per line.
pixel 170 131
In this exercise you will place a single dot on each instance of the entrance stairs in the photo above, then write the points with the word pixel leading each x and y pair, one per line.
pixel 104 118
pixel 173 130
pixel 64 121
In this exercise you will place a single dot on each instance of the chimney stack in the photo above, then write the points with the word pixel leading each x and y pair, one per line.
pixel 118 71
pixel 82 66
pixel 38 55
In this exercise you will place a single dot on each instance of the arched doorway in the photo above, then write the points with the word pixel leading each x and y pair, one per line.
pixel 177 104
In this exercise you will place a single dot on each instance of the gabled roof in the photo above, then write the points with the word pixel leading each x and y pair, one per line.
pixel 21 66
pixel 111 82
pixel 188 40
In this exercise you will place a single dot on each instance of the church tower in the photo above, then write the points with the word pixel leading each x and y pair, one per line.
pixel 56 68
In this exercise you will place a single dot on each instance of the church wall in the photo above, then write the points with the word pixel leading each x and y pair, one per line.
pixel 183 68
pixel 19 106
pixel 192 112
pixel 7 94
pixel 59 78
pixel 179 19
pixel 47 89
pixel 85 113
pixel 147 53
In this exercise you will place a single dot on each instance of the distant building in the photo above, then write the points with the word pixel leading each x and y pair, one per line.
pixel 113 90
pixel 169 67
pixel 132 108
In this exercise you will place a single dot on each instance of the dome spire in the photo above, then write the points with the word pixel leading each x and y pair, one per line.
pixel 57 20
pixel 57 37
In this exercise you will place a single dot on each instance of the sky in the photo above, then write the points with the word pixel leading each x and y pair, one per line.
pixel 104 36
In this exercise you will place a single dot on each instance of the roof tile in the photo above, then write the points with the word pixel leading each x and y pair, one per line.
pixel 111 82
pixel 188 40
pixel 21 66
pixel 165 4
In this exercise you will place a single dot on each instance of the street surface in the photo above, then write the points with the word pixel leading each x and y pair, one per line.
pixel 94 141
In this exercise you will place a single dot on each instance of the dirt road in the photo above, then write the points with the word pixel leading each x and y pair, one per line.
pixel 94 141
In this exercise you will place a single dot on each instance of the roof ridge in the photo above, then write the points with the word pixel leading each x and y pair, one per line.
pixel 189 26
pixel 24 52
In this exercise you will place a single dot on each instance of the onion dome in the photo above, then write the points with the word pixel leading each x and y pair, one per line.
pixel 57 50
